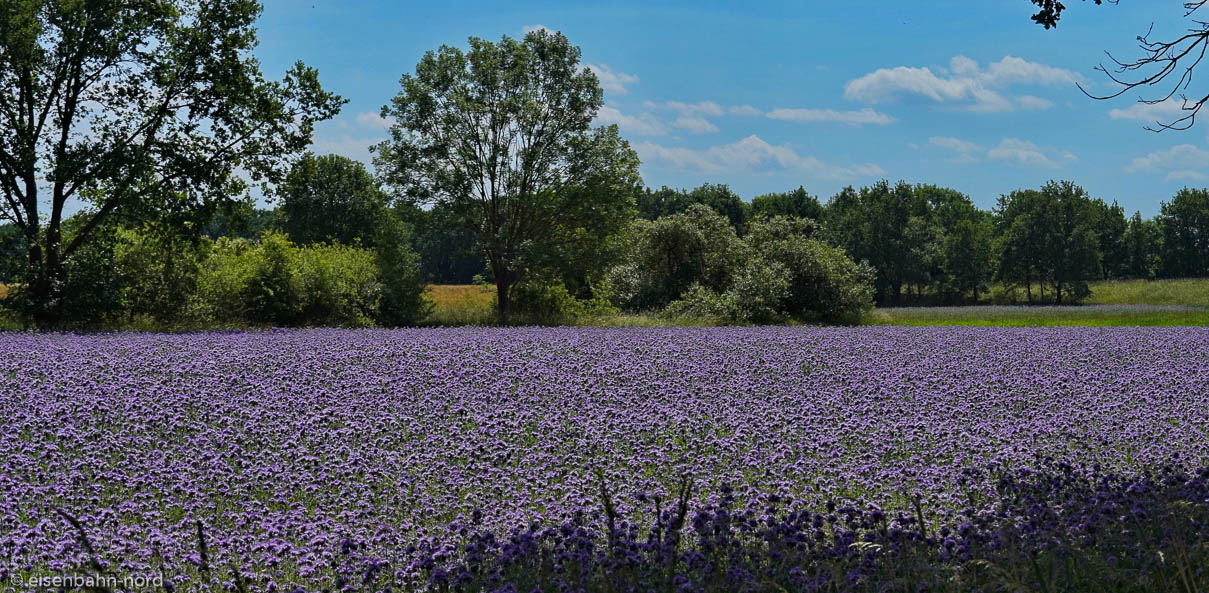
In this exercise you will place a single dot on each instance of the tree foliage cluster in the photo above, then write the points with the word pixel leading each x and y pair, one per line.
pixel 694 264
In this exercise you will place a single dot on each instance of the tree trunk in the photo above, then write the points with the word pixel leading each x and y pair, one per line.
pixel 45 281
pixel 503 282
pixel 1058 292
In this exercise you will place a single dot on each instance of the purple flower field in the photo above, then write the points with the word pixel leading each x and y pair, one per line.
pixel 290 445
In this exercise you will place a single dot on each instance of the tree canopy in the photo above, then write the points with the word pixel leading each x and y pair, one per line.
pixel 331 198
pixel 138 110
pixel 501 137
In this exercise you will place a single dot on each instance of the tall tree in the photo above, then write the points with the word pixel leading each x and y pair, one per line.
pixel 139 109
pixel 1142 241
pixel 797 203
pixel 965 251
pixel 1048 235
pixel 1185 227
pixel 501 135
pixel 654 204
pixel 331 198
pixel 871 225
pixel 1110 227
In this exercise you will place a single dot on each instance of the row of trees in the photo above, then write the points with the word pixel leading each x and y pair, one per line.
pixel 932 244
pixel 157 118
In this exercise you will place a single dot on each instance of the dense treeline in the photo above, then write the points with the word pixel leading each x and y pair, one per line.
pixel 338 251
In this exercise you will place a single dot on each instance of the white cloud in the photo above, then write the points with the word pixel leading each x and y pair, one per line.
pixel 1011 150
pixel 965 82
pixel 695 125
pixel 610 80
pixel 1031 102
pixel 345 145
pixel 1023 153
pixel 1013 70
pixel 955 144
pixel 1186 176
pixel 644 124
pixel 695 109
pixel 853 118
pixel 532 28
pixel 750 154
pixel 351 137
pixel 885 83
pixel 746 110
pixel 1167 111
pixel 373 120
pixel 1184 158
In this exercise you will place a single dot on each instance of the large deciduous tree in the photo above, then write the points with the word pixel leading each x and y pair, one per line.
pixel 331 198
pixel 1049 236
pixel 871 225
pixel 139 109
pixel 1184 223
pixel 501 137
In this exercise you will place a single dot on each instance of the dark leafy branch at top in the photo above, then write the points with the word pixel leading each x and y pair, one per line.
pixel 1160 62
pixel 1051 11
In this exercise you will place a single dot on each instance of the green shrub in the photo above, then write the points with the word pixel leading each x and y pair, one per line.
pixel 274 282
pixel 703 304
pixel 340 285
pixel 759 291
pixel 160 272
pixel 545 300
pixel 824 283
pixel 223 280
pixel 402 299
pixel 663 258
pixel 275 291
pixel 757 295
pixel 94 293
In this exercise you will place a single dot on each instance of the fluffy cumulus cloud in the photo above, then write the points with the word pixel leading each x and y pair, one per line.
pixel 1010 150
pixel 351 137
pixel 852 118
pixel 537 27
pixel 373 120
pixel 1165 111
pixel 695 125
pixel 612 81
pixel 965 84
pixel 1026 154
pixel 749 155
pixel 744 110
pixel 1183 162
pixel 643 124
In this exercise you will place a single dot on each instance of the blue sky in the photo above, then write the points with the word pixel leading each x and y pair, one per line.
pixel 969 94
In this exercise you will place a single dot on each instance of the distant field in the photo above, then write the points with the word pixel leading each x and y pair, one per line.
pixel 1023 316
pixel 1119 303
pixel 460 304
pixel 1190 291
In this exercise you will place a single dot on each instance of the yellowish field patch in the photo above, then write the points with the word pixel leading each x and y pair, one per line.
pixel 460 304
